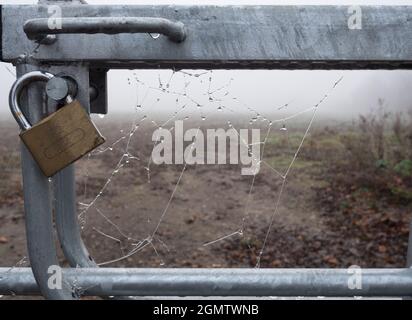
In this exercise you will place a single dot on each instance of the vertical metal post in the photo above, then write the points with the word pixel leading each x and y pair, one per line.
pixel 37 204
pixel 67 225
pixel 64 185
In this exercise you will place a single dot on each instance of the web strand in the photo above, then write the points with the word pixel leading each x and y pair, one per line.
pixel 150 96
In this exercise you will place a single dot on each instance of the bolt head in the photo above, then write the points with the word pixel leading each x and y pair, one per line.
pixel 57 89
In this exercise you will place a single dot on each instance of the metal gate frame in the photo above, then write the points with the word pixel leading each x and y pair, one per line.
pixel 199 37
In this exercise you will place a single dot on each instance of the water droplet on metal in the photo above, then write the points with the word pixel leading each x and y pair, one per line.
pixel 154 35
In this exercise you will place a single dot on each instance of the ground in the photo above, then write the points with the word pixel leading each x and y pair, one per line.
pixel 213 218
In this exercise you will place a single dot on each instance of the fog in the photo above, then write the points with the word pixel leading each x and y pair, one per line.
pixel 358 92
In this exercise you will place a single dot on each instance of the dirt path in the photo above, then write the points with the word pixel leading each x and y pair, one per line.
pixel 208 204
pixel 202 223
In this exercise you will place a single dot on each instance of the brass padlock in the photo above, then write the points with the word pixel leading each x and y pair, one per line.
pixel 59 139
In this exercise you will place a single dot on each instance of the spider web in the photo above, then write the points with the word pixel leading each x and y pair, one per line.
pixel 196 99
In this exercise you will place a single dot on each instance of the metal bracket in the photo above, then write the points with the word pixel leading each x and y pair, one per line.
pixel 98 91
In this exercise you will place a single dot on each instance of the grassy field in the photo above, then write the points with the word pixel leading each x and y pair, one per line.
pixel 346 200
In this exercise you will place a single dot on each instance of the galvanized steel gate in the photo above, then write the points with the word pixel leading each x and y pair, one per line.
pixel 93 40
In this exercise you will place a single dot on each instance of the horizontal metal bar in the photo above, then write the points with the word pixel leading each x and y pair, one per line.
pixel 35 28
pixel 219 282
pixel 267 37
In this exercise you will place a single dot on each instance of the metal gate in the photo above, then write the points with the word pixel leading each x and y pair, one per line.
pixel 95 39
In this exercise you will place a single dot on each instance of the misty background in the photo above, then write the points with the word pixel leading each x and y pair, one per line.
pixel 264 90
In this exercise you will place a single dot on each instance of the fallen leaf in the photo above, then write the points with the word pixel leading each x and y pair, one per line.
pixel 331 260
pixel 381 249
pixel 3 240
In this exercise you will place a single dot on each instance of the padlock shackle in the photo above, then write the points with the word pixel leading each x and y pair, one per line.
pixel 16 90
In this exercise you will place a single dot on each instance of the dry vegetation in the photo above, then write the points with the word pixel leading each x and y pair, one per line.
pixel 365 196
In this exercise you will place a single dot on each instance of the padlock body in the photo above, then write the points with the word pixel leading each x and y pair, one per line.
pixel 62 138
